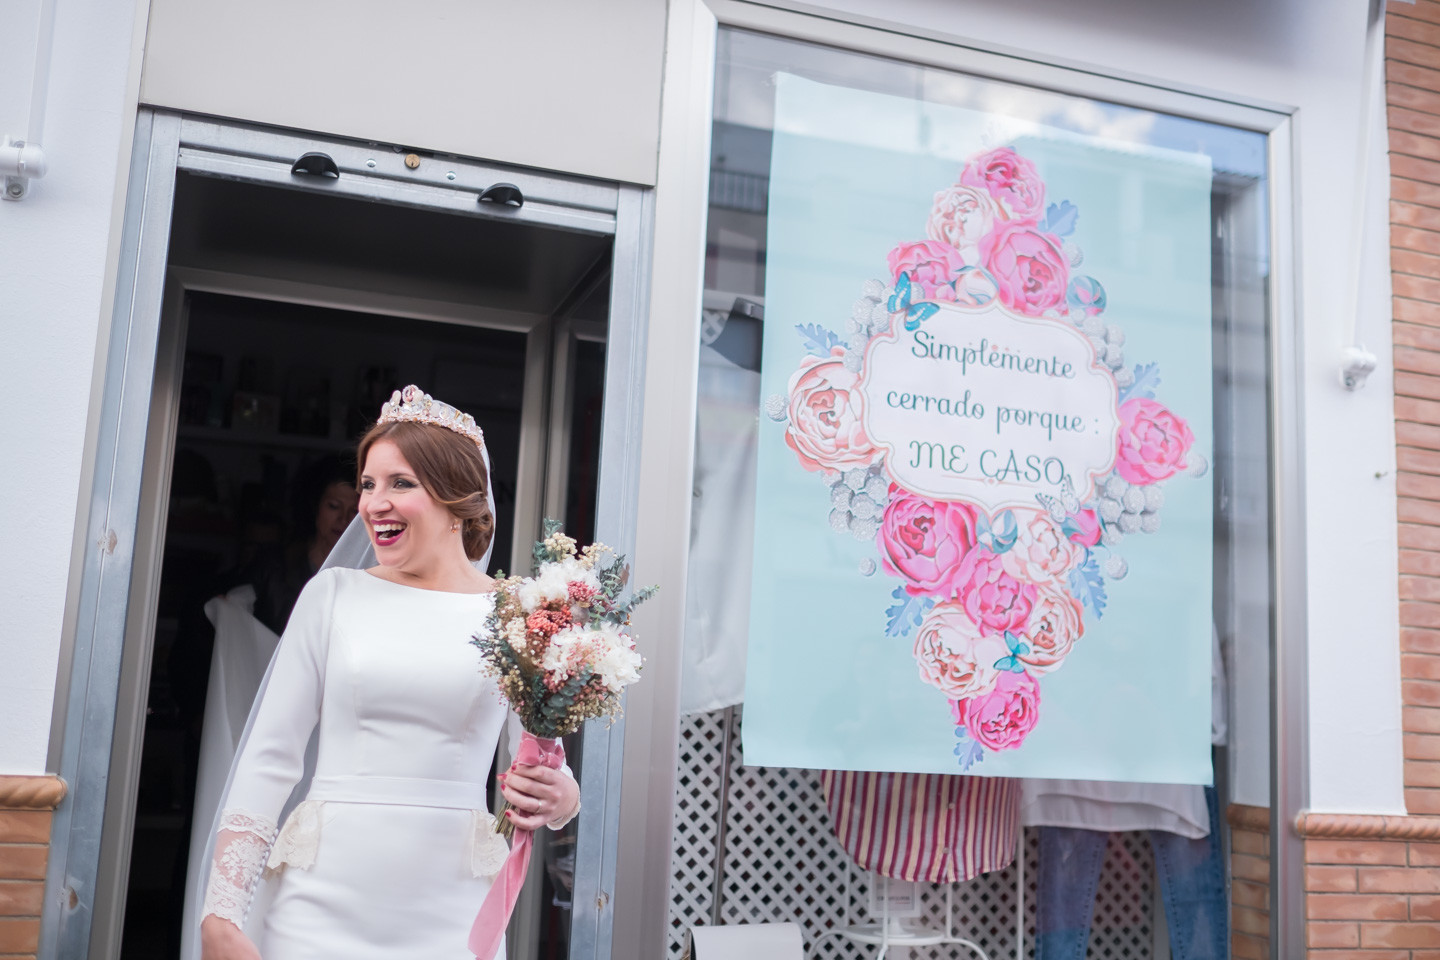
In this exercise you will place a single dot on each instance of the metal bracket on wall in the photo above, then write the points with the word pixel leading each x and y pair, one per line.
pixel 20 162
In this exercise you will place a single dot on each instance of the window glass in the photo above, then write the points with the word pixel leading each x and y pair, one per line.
pixel 755 107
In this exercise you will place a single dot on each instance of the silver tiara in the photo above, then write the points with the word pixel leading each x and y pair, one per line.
pixel 413 405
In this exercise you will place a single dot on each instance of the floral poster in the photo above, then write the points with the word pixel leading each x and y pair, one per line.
pixel 983 525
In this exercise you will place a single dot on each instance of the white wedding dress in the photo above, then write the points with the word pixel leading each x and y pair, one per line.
pixel 392 850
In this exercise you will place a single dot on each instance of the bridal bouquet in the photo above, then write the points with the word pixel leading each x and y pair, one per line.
pixel 559 647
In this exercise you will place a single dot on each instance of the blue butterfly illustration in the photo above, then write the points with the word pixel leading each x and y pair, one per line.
pixel 915 313
pixel 1018 649
pixel 1000 536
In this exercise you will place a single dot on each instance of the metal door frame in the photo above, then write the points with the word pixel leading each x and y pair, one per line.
pixel 116 590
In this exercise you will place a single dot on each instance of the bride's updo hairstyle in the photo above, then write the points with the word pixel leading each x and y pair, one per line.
pixel 449 467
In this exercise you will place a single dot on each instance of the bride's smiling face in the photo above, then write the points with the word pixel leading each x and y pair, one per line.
pixel 408 528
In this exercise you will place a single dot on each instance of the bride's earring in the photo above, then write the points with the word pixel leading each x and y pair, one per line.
pixel 455 527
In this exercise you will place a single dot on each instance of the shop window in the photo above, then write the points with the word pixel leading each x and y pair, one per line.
pixel 905 560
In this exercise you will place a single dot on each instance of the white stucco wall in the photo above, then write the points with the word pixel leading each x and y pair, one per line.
pixel 1305 54
pixel 56 256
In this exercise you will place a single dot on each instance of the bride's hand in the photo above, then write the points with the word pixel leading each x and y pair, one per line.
pixel 222 940
pixel 538 796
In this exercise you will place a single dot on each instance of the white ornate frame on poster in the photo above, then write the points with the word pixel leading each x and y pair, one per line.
pixel 705 756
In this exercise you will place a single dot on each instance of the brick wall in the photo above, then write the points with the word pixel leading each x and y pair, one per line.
pixel 1249 882
pixel 26 807
pixel 1412 74
pixel 1375 898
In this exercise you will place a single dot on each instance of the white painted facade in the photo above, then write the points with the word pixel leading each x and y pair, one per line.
pixel 59 250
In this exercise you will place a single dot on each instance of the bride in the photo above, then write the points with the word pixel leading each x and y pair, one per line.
pixel 390 850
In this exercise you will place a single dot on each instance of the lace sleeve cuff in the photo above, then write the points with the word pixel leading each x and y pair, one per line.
pixel 563 821
pixel 241 846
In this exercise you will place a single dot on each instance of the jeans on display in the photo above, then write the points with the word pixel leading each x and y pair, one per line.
pixel 1192 884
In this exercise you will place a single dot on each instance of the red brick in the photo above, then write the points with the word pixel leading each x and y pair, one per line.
pixel 1425 589
pixel 21 898
pixel 1399 72
pixel 1246 893
pixel 1424 563
pixel 1425 908
pixel 22 862
pixel 19 935
pixel 1244 946
pixel 1247 867
pixel 1420 720
pixel 1408 51
pixel 1350 906
pixel 1399 880
pixel 1422 746
pixel 1413 191
pixel 1412 28
pixel 24 826
pixel 1422 801
pixel 1403 935
pixel 1418 461
pixel 1416 411
pixel 1423 336
pixel 1416 385
pixel 1423 10
pixel 1413 98
pixel 1416 614
pixel 1404 309
pixel 1255 844
pixel 1368 852
pixel 1424 854
pixel 1320 934
pixel 1407 238
pixel 1414 214
pixel 1408 285
pixel 1421 693
pixel 1419 640
pixel 1419 666
pixel 1250 921
pixel 1330 879
pixel 1417 486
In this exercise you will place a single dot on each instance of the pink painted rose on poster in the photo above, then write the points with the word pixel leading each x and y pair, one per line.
pixel 962 217
pixel 954 656
pixel 995 600
pixel 933 267
pixel 825 428
pixel 1056 622
pixel 1153 442
pixel 925 542
pixel 1011 181
pixel 1088 531
pixel 1041 552
pixel 1004 717
pixel 1030 269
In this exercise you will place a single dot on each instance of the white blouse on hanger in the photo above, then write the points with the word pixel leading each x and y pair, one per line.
pixel 391 852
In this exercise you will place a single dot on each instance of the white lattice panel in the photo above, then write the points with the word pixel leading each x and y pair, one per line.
pixel 783 863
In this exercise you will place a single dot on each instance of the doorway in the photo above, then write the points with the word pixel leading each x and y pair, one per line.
pixel 288 310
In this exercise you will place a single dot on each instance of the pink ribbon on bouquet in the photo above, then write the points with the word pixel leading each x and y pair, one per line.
pixel 494 916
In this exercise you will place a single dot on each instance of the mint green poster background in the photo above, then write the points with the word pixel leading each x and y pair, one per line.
pixel 853 173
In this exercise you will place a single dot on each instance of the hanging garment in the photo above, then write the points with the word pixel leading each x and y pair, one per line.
pixel 392 850
pixel 1111 806
pixel 722 532
pixel 1192 886
pixel 940 828
pixel 243 647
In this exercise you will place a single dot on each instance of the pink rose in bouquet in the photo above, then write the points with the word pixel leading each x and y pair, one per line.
pixel 1153 442
pixel 961 217
pixel 933 267
pixel 1029 268
pixel 995 600
pixel 1010 179
pixel 1041 552
pixel 1056 622
pixel 825 430
pixel 1004 717
pixel 1088 522
pixel 954 656
pixel 925 541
